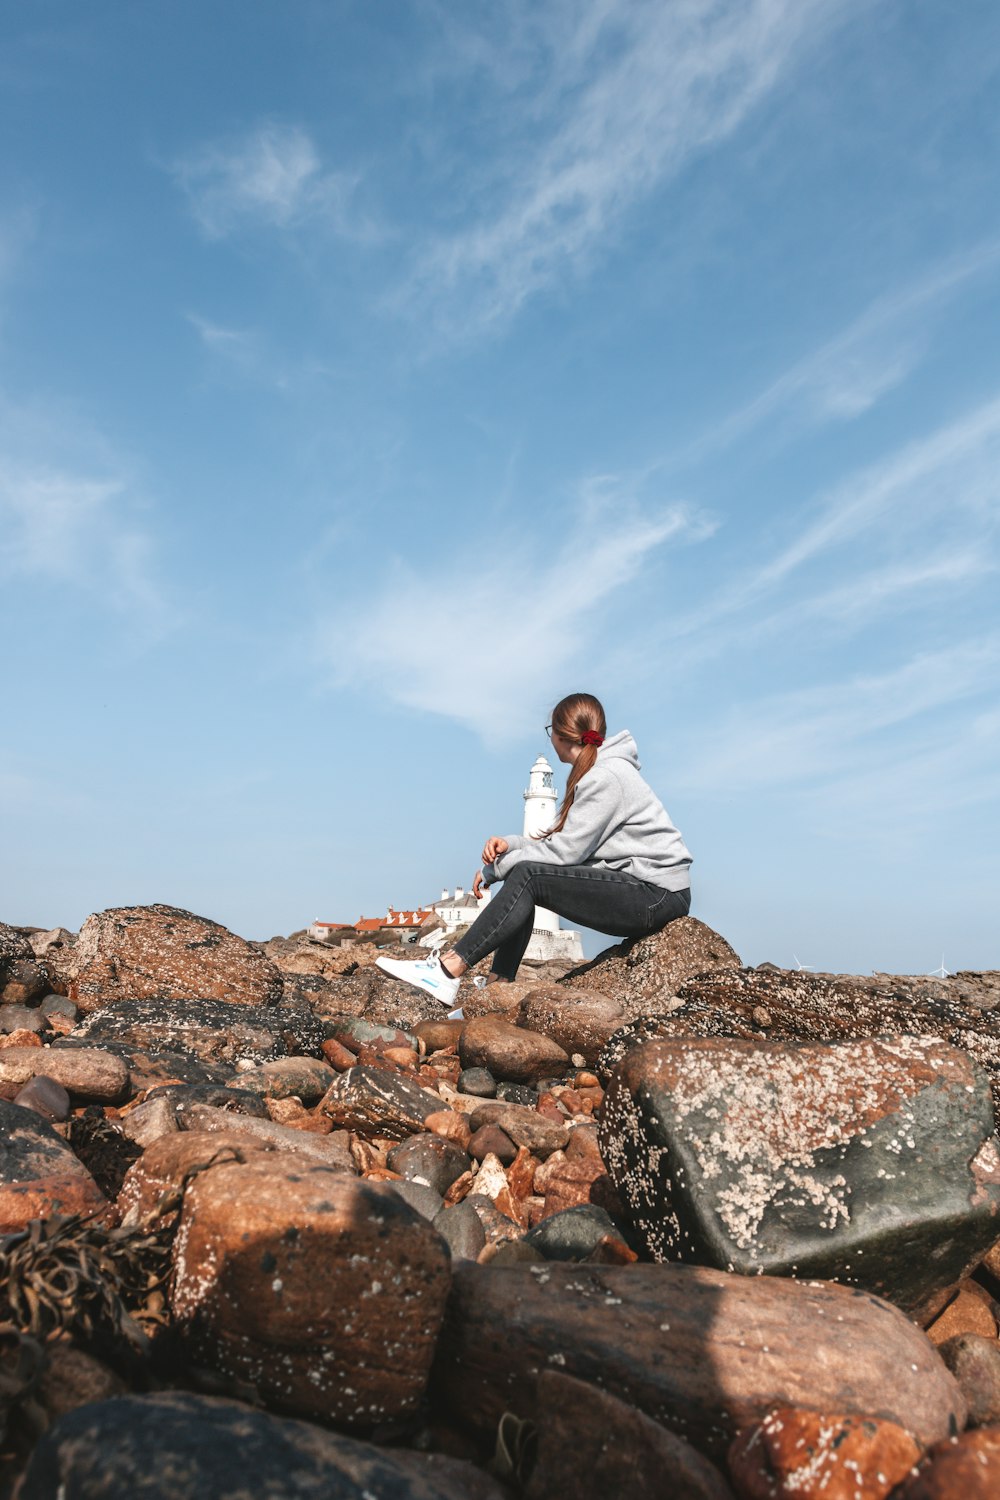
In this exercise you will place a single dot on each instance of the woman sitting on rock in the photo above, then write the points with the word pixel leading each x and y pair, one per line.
pixel 612 861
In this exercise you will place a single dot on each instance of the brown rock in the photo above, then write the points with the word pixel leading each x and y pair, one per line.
pixel 74 1378
pixel 450 1124
pixel 305 1078
pixel 20 1038
pixel 338 1056
pixel 592 1446
pixel 153 1185
pixel 438 1036
pixel 85 1072
pixel 26 981
pixel 648 972
pixel 510 1052
pixel 703 1352
pixel 376 1102
pixel 327 1148
pixel 39 1174
pixel 958 1468
pixel 975 1363
pixel 526 1127
pixel 323 1292
pixel 162 953
pixel 969 1311
pixel 811 1455
pixel 293 1113
pixel 491 1140
pixel 579 1020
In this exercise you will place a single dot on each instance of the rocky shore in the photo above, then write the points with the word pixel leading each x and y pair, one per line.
pixel 663 1225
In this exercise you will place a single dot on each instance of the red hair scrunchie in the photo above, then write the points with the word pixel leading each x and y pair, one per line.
pixel 591 737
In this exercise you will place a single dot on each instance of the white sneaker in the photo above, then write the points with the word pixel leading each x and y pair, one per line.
pixel 424 974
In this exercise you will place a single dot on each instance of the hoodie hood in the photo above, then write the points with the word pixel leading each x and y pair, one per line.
pixel 620 746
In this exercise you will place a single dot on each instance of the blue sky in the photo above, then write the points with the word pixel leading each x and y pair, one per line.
pixel 371 374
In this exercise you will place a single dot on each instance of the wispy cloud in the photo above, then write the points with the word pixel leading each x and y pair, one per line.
pixel 76 522
pixel 272 176
pixel 642 90
pixel 831 729
pixel 913 500
pixel 487 634
pixel 849 373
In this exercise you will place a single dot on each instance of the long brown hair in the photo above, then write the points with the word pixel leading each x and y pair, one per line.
pixel 571 718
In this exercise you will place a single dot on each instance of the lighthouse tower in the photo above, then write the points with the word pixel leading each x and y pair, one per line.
pixel 540 814
pixel 548 939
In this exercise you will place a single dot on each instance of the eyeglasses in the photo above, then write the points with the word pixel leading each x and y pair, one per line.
pixel 548 731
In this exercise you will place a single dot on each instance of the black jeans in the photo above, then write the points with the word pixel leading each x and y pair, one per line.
pixel 607 900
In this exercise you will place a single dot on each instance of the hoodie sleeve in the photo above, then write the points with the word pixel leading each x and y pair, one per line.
pixel 595 812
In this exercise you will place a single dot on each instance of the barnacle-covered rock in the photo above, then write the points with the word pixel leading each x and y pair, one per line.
pixel 873 1163
pixel 39 1173
pixel 323 1292
pixel 163 953
pixel 645 973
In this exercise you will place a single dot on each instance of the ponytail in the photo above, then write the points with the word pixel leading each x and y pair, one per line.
pixel 580 719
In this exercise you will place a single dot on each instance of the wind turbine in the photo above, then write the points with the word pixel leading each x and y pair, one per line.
pixel 802 968
pixel 941 972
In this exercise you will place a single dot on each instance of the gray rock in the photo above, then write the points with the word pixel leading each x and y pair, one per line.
pixel 425 1200
pixel 22 1018
pixel 206 1447
pixel 46 1097
pixel 222 1096
pixel 479 1082
pixel 461 1227
pixel 573 1233
pixel 429 1159
pixel 149 1120
pixel 58 1005
pixel 732 1154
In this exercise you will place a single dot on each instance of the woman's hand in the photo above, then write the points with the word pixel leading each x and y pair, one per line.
pixel 493 848
pixel 477 884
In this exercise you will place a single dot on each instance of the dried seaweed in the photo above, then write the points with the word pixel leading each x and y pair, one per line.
pixel 70 1275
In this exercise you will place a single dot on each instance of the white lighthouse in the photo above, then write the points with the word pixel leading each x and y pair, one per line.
pixel 548 939
pixel 539 815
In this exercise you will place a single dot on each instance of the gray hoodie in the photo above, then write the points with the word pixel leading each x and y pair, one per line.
pixel 616 823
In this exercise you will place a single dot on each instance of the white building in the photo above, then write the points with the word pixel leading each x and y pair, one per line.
pixel 455 911
pixel 548 939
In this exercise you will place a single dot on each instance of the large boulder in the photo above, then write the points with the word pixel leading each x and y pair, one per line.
pixel 703 1352
pixel 778 1005
pixel 163 953
pixel 211 1031
pixel 22 978
pixel 178 1446
pixel 872 1163
pixel 323 1292
pixel 645 973
pixel 39 1174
